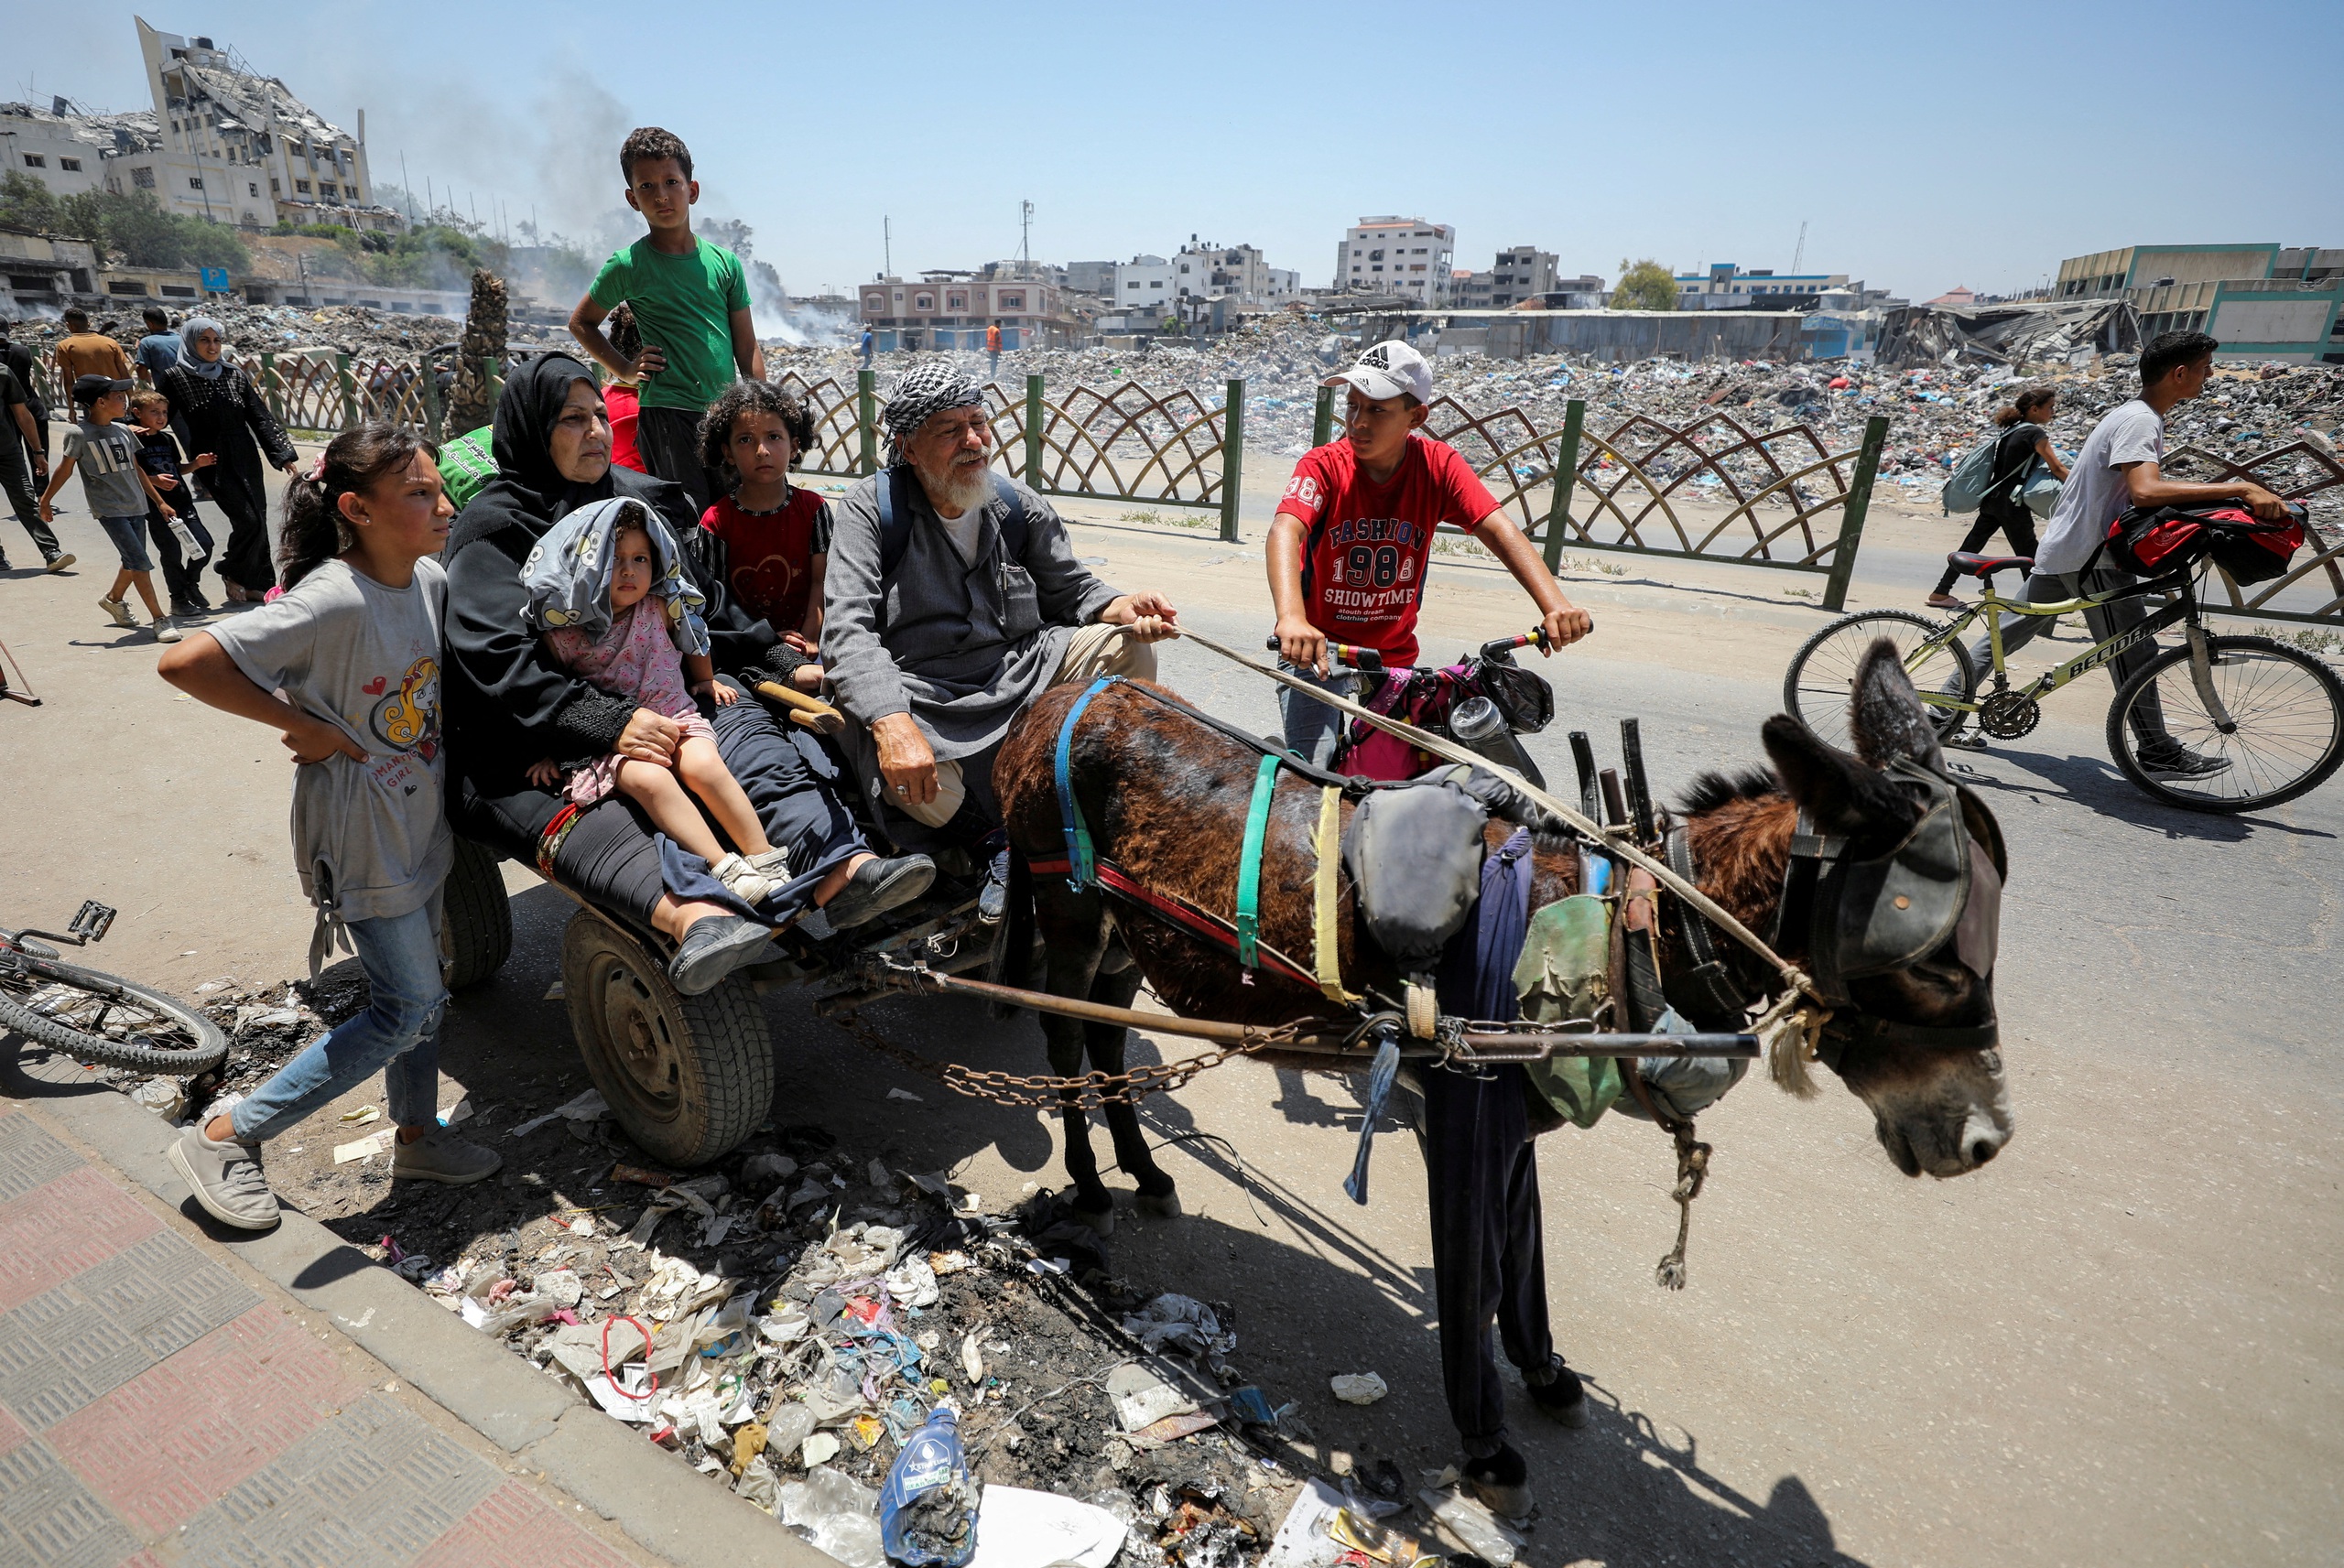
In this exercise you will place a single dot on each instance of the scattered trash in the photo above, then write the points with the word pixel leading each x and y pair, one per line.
pixel 927 1510
pixel 588 1106
pixel 166 1097
pixel 1017 1528
pixel 906 1094
pixel 1464 1524
pixel 1142 1399
pixel 362 1116
pixel 1358 1387
pixel 374 1143
pixel 836 1515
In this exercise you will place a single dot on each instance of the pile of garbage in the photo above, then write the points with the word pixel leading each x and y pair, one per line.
pixel 251 330
pixel 1937 412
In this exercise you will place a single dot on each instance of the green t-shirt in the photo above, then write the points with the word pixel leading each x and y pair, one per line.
pixel 684 305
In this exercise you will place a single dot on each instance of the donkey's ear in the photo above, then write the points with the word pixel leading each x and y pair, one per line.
pixel 1886 714
pixel 1838 793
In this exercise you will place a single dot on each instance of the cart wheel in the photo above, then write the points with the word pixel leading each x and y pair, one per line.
pixel 688 1076
pixel 476 923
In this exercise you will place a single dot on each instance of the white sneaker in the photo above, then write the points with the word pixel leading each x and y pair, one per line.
pixel 772 865
pixel 166 632
pixel 743 881
pixel 118 610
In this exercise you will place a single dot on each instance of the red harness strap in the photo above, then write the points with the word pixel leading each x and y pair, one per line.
pixel 1182 914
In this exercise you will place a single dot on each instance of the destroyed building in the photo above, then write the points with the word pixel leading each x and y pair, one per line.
pixel 2263 301
pixel 221 142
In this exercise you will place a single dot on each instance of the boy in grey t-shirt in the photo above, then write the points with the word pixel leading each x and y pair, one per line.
pixel 2120 467
pixel 118 492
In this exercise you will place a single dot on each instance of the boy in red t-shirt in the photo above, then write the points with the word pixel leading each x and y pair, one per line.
pixel 774 538
pixel 1348 547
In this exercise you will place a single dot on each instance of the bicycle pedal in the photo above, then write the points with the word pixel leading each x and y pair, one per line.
pixel 92 921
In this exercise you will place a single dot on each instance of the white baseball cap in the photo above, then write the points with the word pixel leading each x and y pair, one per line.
pixel 1388 370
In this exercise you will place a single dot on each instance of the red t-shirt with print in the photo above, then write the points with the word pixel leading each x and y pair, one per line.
pixel 1365 545
pixel 770 556
pixel 624 406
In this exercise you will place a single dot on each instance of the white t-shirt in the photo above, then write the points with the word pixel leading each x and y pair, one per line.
pixel 2096 492
pixel 371 839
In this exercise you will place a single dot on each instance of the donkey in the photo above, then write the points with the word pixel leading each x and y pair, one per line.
pixel 1166 798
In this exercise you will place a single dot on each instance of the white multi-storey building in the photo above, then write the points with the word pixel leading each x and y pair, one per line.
pixel 1397 256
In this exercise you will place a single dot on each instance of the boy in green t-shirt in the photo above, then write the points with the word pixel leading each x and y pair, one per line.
pixel 691 300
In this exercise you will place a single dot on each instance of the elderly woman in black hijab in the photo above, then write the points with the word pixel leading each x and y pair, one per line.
pixel 510 705
pixel 216 409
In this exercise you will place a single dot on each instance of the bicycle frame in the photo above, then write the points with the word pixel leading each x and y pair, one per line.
pixel 1992 605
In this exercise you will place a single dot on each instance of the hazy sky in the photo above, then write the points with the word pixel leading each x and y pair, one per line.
pixel 1923 145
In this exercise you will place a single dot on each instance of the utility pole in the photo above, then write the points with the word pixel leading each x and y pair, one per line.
pixel 1800 255
pixel 887 244
pixel 406 189
pixel 1025 233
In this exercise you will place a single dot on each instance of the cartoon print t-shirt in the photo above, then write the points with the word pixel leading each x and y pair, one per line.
pixel 371 839
pixel 770 556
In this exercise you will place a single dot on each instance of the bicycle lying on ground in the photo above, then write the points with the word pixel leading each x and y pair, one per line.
pixel 91 1016
pixel 2253 721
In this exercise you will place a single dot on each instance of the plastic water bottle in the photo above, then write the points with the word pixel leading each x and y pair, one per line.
pixel 927 1510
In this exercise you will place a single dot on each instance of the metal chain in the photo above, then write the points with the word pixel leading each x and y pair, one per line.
pixel 1088 1092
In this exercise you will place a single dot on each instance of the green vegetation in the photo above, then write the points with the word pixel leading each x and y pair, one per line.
pixel 135 226
pixel 2310 639
pixel 431 255
pixel 1643 286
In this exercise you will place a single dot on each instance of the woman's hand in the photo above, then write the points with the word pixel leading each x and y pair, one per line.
pixel 808 678
pixel 797 642
pixel 718 692
pixel 650 738
pixel 290 465
pixel 204 459
pixel 313 740
pixel 545 772
pixel 906 761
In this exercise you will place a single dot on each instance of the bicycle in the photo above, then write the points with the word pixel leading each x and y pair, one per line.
pixel 96 1017
pixel 2271 716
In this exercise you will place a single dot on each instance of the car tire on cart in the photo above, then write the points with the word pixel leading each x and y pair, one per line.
pixel 688 1076
pixel 476 921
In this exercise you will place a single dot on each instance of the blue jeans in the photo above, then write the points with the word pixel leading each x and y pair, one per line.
pixel 398 1031
pixel 1312 728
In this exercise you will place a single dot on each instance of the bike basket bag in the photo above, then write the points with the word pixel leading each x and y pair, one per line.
pixel 2148 540
pixel 1523 697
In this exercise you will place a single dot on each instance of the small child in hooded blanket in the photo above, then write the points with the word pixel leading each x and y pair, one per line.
pixel 608 592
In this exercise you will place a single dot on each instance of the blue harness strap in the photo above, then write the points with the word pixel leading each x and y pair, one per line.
pixel 1082 861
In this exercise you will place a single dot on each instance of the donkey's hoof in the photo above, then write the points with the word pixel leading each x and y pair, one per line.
pixel 1167 1207
pixel 1100 1220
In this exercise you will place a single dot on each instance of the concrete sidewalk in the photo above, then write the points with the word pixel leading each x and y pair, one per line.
pixel 171 1392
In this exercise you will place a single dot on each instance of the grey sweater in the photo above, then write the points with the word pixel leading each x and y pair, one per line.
pixel 962 646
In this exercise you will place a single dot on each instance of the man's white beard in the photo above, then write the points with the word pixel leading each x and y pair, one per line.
pixel 957 489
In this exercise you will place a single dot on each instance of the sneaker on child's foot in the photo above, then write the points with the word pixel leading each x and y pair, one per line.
pixel 878 886
pixel 743 881
pixel 772 865
pixel 58 562
pixel 440 1156
pixel 119 610
pixel 165 632
pixel 226 1179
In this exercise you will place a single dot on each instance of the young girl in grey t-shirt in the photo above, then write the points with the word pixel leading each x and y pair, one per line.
pixel 346 663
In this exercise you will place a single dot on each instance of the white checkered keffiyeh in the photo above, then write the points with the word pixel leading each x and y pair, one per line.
pixel 927 391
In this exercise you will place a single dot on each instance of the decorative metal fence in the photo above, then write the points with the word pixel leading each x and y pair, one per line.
pixel 2296 471
pixel 1118 443
pixel 1633 487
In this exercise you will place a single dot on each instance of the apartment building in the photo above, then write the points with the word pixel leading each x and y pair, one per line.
pixel 1398 255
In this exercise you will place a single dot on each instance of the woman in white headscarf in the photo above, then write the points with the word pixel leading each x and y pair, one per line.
pixel 216 408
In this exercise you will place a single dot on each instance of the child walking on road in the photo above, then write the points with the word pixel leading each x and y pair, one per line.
pixel 119 492
pixel 184 542
pixel 607 589
pixel 346 664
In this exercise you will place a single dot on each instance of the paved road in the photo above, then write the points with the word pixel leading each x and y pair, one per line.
pixel 2118 1343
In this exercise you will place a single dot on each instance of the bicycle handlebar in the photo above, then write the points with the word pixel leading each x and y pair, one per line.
pixel 1341 653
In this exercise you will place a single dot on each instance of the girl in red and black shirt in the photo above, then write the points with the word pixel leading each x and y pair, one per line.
pixel 775 538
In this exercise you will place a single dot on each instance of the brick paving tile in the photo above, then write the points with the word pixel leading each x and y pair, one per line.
pixel 12 1431
pixel 162 1446
pixel 516 1527
pixel 48 1519
pixel 29 1156
pixel 61 1228
pixel 374 1485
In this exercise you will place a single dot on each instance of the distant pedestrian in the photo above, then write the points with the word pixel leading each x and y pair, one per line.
pixel 346 664
pixel 118 492
pixel 2024 442
pixel 16 357
pixel 867 340
pixel 159 350
pixel 21 438
pixel 183 543
pixel 218 413
pixel 690 302
pixel 993 350
pixel 83 353
pixel 621 400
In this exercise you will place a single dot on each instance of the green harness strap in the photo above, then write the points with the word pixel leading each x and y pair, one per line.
pixel 1249 863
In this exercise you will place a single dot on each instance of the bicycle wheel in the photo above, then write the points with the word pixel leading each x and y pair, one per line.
pixel 2286 732
pixel 96 1017
pixel 1822 675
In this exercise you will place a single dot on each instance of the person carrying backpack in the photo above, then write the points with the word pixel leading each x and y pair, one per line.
pixel 2024 442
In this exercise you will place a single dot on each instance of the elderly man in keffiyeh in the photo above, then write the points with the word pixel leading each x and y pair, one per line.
pixel 953 599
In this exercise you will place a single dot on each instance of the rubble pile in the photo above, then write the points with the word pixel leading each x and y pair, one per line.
pixel 254 330
pixel 1936 413
pixel 469 403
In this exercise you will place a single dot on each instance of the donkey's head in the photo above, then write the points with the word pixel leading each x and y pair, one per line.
pixel 1891 900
